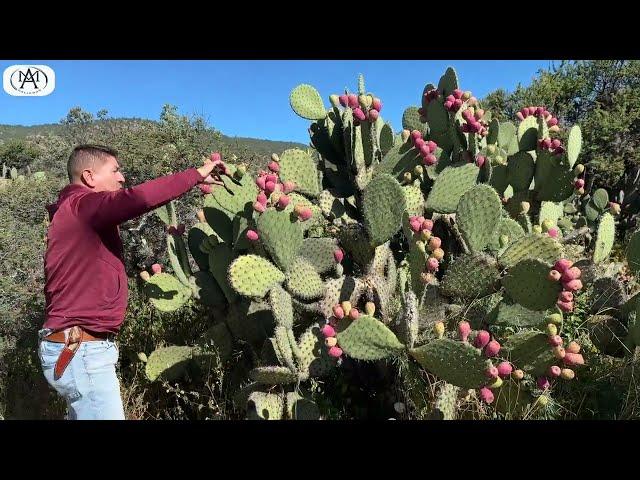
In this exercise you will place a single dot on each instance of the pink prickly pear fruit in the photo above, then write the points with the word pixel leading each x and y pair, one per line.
pixel 480 161
pixel 566 296
pixel 524 112
pixel 539 111
pixel 424 149
pixel 373 114
pixel 261 182
pixel 427 224
pixel 359 114
pixel 331 341
pixel 370 308
pixel 338 255
pixel 328 331
pixel 472 101
pixel 479 114
pixel 520 116
pixel 306 214
pixel 458 103
pixel 504 369
pixel 573 285
pixel 554 275
pixel 457 93
pixel 262 198
pixel 252 235
pixel 463 330
pixel 415 225
pixel 258 207
pixel 552 121
pixel 144 275
pixel 352 100
pixel 432 264
pixel 572 273
pixel 377 104
pixel 335 352
pixel 416 134
pixel 579 183
pixel 486 395
pixel 438 254
pixel 432 146
pixel 288 187
pixel 434 243
pixel 562 264
pixel 553 232
pixel 156 268
pixel 354 314
pixel 344 100
pixel 555 340
pixel 274 166
pixel 573 359
pixel 272 177
pixel 567 374
pixel 559 352
pixel 419 143
pixel 492 372
pixel 448 105
pixel 573 347
pixel 338 312
pixel 430 159
pixel 283 201
pixel 482 339
pixel 543 383
pixel 554 371
pixel 517 375
pixel 552 330
pixel 450 98
pixel 492 349
pixel 205 188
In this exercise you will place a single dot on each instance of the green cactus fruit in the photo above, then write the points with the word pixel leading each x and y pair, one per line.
pixel 281 236
pixel 206 290
pixel 166 292
pixel 281 305
pixel 253 276
pixel 319 252
pixel 574 145
pixel 297 166
pixel 478 214
pixel 528 134
pixel 527 284
pixel 511 314
pixel 529 350
pixel 168 363
pixel 509 228
pixel 265 406
pixel 303 281
pixel 448 82
pixel 471 276
pixel 383 203
pixel 633 252
pixel 367 339
pixel 451 184
pixel 520 171
pixel 605 238
pixel 533 245
pixel 199 233
pixel 273 375
pixel 300 408
pixel 306 101
pixel 457 363
pixel 220 258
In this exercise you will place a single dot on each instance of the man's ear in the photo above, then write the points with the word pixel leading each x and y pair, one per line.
pixel 87 178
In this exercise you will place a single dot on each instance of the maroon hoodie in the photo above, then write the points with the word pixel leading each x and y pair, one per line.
pixel 86 283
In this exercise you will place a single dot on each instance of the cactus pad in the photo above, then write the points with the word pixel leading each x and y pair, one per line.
pixel 447 402
pixel 527 284
pixel 273 375
pixel 604 238
pixel 508 227
pixel 633 252
pixel 220 258
pixel 515 315
pixel 166 292
pixel 339 290
pixel 530 351
pixel 197 235
pixel 383 203
pixel 355 241
pixel 528 134
pixel 550 211
pixel 367 339
pixel 300 408
pixel 448 82
pixel 253 276
pixel 265 406
pixel 471 276
pixel 411 120
pixel 312 356
pixel 281 306
pixel 454 362
pixel 307 102
pixel 400 159
pixel 233 197
pixel 494 132
pixel 451 184
pixel 414 200
pixel 532 246
pixel 319 253
pixel 520 171
pixel 297 166
pixel 478 214
pixel 601 199
pixel 303 281
pixel 206 289
pixel 574 145
pixel 281 236
pixel 168 363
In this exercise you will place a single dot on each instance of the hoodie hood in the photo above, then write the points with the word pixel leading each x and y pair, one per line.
pixel 64 194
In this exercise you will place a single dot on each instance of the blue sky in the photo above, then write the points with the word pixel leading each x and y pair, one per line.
pixel 247 98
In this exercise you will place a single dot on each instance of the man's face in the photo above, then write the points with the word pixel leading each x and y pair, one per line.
pixel 107 176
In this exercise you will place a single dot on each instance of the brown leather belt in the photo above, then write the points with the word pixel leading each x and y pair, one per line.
pixel 58 337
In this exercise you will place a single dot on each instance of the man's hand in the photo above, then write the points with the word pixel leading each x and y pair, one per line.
pixel 211 170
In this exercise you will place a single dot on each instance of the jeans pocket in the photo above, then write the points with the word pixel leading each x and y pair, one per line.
pixel 49 353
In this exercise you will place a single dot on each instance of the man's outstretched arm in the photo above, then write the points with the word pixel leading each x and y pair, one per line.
pixel 104 209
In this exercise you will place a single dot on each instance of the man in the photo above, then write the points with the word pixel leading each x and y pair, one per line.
pixel 86 284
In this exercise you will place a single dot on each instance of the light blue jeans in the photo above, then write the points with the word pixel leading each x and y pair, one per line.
pixel 89 384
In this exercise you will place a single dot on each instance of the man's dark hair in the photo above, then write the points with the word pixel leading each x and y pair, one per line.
pixel 86 156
